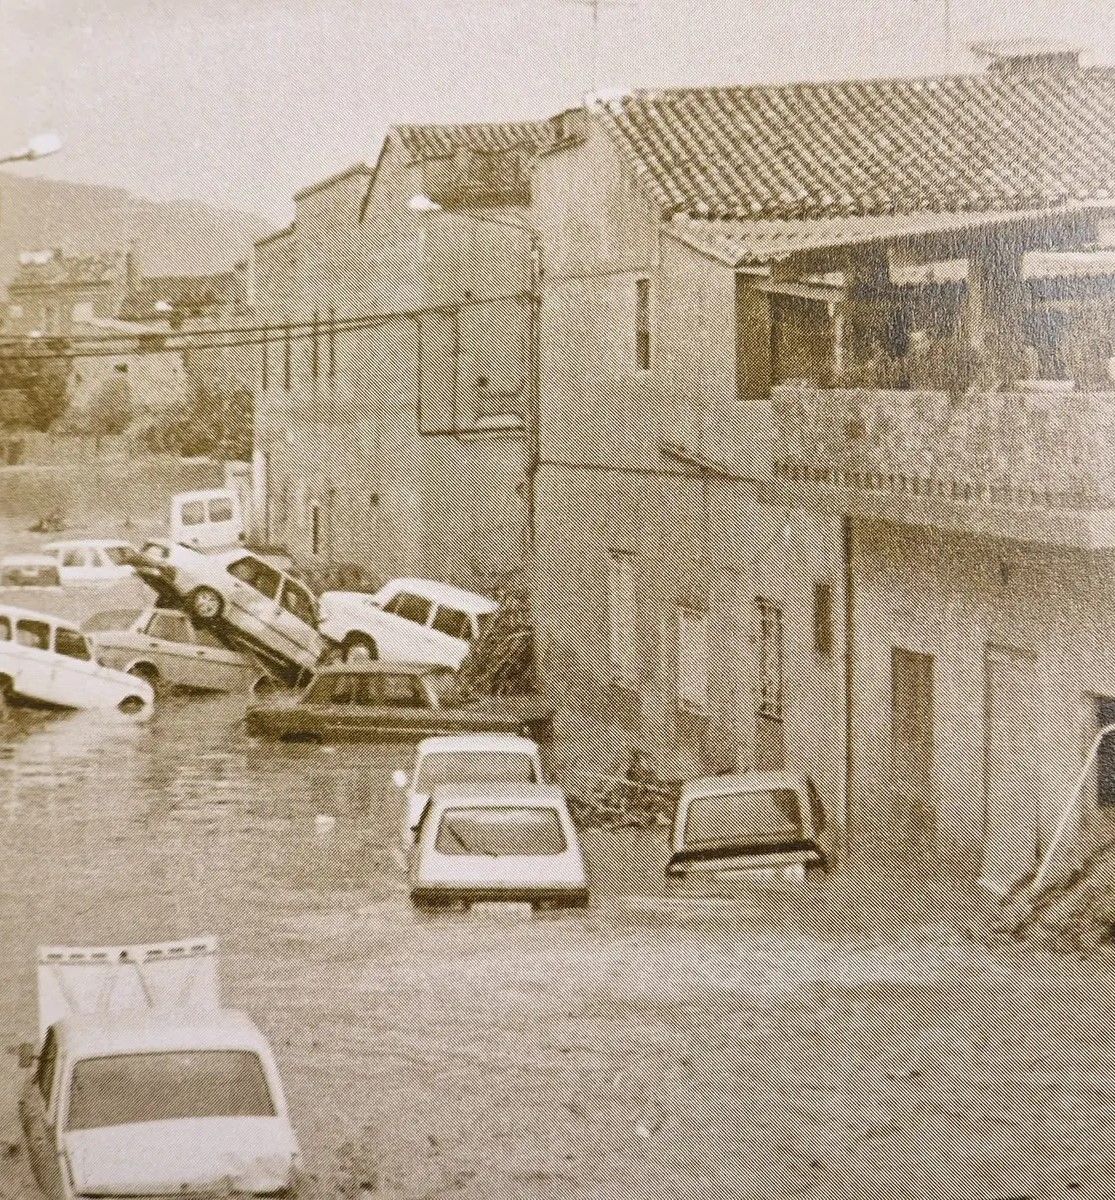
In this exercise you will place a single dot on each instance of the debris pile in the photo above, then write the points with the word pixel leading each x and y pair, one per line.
pixel 501 661
pixel 1079 913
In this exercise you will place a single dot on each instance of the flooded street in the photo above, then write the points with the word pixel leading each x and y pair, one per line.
pixel 762 1042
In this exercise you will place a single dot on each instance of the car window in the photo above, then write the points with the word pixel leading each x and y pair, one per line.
pixel 171 627
pixel 117 619
pixel 193 513
pixel 748 818
pixel 119 556
pixel 299 602
pixel 344 689
pixel 5 629
pixel 400 691
pixel 75 558
pixel 128 1089
pixel 471 766
pixel 48 1059
pixel 452 622
pixel 220 509
pixel 409 607
pixel 439 684
pixel 34 634
pixel 206 638
pixel 500 831
pixel 71 643
pixel 258 575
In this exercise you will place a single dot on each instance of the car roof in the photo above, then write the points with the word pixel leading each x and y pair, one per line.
pixel 159 1030
pixel 445 593
pixel 477 743
pixel 384 668
pixel 496 795
pixel 93 543
pixel 35 614
pixel 750 781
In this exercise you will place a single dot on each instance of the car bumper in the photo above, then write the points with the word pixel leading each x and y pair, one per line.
pixel 434 896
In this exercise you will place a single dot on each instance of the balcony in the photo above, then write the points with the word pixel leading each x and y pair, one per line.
pixel 1032 464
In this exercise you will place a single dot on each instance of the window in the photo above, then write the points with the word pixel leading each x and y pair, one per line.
pixel 512 832
pixel 398 691
pixel 299 602
pixel 263 364
pixel 822 618
pixel 642 324
pixel 48 1060
pixel 258 575
pixel 5 629
pixel 622 614
pixel 193 513
pixel 452 623
pixel 313 346
pixel 121 367
pixel 129 1089
pixel 171 627
pixel 33 634
pixel 220 509
pixel 207 639
pixel 118 556
pixel 75 558
pixel 770 660
pixel 70 643
pixel 749 818
pixel 116 619
pixel 315 528
pixel 693 660
pixel 409 607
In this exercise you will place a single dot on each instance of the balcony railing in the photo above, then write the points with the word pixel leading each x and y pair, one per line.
pixel 1045 447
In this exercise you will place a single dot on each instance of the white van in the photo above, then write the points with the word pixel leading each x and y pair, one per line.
pixel 207 519
pixel 46 660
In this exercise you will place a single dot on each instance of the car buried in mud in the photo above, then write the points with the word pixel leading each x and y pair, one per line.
pixel 391 702
pixel 143 1086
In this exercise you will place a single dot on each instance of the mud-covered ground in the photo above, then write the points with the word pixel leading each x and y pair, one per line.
pixel 845 1039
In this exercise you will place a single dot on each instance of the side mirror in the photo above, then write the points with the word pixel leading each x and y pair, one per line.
pixel 401 779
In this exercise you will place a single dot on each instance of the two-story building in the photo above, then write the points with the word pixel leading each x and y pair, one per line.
pixel 392 417
pixel 902 588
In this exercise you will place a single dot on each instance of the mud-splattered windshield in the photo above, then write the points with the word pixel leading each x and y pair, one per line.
pixel 514 832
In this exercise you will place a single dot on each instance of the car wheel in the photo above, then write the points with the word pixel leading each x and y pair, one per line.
pixel 146 671
pixel 131 705
pixel 358 647
pixel 205 603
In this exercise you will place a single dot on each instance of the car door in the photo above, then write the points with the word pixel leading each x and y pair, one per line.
pixel 34 674
pixel 168 637
pixel 296 618
pixel 76 677
pixel 38 1115
pixel 450 634
pixel 406 616
pixel 253 599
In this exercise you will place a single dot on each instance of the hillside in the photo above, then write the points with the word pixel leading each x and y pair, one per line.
pixel 172 238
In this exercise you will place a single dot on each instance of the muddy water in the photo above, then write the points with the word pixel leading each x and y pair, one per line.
pixel 749 1042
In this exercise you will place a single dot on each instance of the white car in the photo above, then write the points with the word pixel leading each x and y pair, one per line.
pixel 144 1086
pixel 46 660
pixel 93 562
pixel 257 604
pixel 39 571
pixel 408 620
pixel 464 758
pixel 483 843
pixel 762 823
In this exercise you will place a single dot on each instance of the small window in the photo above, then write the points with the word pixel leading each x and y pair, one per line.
pixel 257 574
pixel 171 627
pixel 822 618
pixel 71 643
pixel 206 638
pixel 642 323
pixel 5 629
pixel 193 513
pixel 122 368
pixel 409 607
pixel 33 634
pixel 399 691
pixel 299 602
pixel 220 510
pixel 452 623
pixel 344 689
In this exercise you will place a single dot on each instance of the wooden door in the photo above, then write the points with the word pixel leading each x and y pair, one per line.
pixel 1012 769
pixel 912 753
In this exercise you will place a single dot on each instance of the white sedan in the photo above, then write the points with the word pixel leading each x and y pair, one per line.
pixel 93 562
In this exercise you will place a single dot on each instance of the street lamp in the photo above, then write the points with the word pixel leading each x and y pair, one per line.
pixel 42 145
pixel 424 205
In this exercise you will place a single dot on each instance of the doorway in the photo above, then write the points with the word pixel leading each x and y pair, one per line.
pixel 912 752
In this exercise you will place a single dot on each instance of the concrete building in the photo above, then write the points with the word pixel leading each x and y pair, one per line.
pixel 392 414
pixel 51 287
pixel 902 593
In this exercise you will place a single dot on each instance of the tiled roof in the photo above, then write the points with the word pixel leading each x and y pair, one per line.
pixel 991 141
pixel 439 141
pixel 759 242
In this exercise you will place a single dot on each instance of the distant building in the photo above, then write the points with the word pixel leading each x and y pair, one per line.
pixel 50 287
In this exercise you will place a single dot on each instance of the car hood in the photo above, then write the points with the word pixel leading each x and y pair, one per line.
pixel 175 1158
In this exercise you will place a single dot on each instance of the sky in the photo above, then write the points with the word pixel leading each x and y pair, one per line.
pixel 240 103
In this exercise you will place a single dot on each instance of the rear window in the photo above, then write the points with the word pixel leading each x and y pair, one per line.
pixel 220 510
pixel 257 574
pixel 409 607
pixel 746 817
pixel 35 634
pixel 128 1089
pixel 474 767
pixel 193 513
pixel 453 623
pixel 29 575
pixel 501 832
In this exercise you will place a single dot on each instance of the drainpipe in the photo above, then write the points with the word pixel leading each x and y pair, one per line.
pixel 847 548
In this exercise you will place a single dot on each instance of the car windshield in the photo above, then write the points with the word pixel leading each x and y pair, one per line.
pixel 471 766
pixel 128 1089
pixel 104 622
pixel 748 818
pixel 496 832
